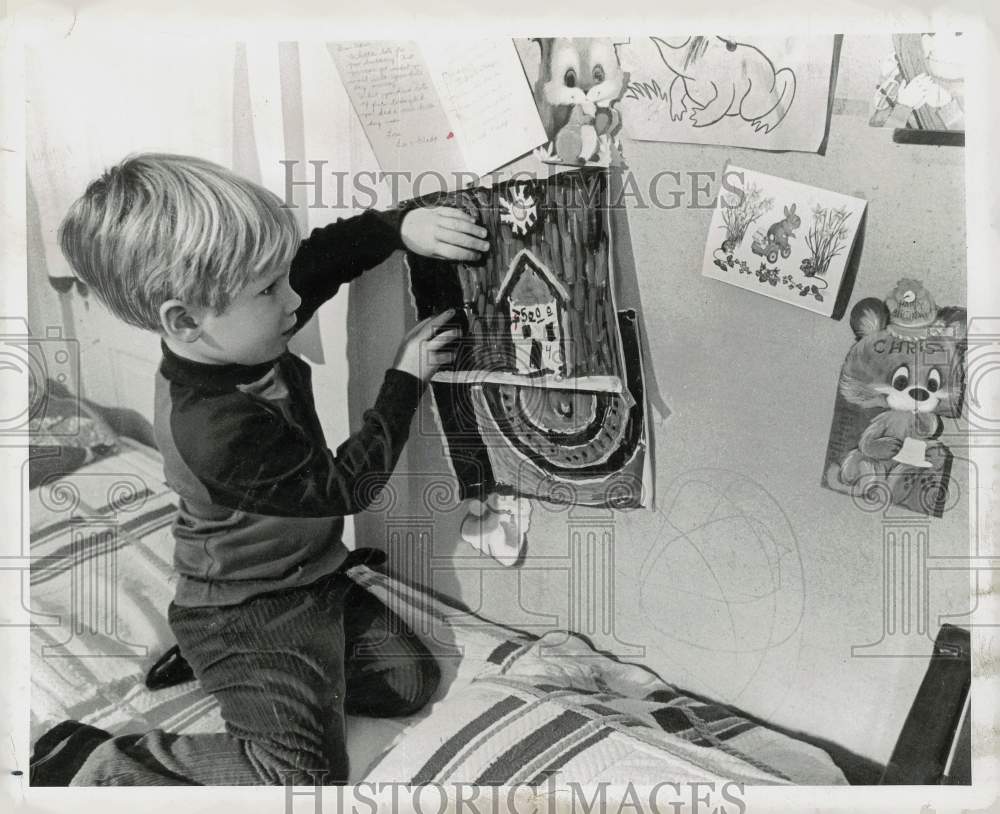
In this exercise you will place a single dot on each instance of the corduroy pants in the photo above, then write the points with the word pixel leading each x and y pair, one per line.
pixel 285 668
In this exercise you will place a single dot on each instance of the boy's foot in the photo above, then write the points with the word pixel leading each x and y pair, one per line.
pixel 60 752
pixel 372 557
pixel 170 669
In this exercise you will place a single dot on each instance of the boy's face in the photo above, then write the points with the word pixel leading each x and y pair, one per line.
pixel 257 325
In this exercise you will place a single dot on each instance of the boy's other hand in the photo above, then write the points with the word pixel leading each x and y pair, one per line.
pixel 424 350
pixel 443 232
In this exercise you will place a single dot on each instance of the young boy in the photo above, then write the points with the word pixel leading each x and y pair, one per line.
pixel 263 612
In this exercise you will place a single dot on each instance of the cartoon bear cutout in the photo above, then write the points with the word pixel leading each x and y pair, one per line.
pixel 902 376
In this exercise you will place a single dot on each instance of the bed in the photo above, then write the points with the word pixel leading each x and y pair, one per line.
pixel 512 708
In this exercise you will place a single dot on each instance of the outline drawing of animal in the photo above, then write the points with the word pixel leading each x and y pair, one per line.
pixel 718 77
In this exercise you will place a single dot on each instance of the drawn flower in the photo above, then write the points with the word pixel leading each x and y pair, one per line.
pixel 520 211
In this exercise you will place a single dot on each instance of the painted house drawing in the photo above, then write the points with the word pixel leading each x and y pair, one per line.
pixel 536 302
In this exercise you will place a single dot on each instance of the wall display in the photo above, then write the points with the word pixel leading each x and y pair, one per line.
pixel 921 87
pixel 546 397
pixel 787 240
pixel 769 93
pixel 905 372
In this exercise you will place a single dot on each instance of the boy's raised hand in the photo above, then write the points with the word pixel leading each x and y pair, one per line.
pixel 443 232
pixel 424 350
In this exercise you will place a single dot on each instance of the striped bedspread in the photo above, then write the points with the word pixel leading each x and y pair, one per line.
pixel 511 708
pixel 101 580
pixel 554 710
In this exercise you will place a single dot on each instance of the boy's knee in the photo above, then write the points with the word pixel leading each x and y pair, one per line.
pixel 395 690
pixel 103 766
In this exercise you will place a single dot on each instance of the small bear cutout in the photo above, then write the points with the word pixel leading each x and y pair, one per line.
pixel 904 374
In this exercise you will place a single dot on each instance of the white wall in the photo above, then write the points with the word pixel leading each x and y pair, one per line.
pixel 749 583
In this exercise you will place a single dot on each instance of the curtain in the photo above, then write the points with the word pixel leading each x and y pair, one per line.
pixel 246 106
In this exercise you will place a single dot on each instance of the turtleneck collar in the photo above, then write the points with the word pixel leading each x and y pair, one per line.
pixel 215 377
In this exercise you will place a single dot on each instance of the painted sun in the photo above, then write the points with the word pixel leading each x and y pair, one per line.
pixel 519 211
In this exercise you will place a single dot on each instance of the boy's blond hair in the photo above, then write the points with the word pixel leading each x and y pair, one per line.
pixel 159 226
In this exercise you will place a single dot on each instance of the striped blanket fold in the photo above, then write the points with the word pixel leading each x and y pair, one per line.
pixel 101 578
pixel 511 708
pixel 553 709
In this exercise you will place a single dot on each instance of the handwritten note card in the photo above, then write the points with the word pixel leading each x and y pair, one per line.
pixel 487 97
pixel 450 107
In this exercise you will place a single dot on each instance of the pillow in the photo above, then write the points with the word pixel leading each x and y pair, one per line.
pixel 65 434
pixel 555 708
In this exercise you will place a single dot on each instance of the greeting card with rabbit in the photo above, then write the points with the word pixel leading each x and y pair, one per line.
pixel 790 241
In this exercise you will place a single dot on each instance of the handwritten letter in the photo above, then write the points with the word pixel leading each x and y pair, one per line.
pixel 449 107
pixel 486 95
pixel 395 99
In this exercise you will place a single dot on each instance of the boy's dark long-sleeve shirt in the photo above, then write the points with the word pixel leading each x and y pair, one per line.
pixel 262 498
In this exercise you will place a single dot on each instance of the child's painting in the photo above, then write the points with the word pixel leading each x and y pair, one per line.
pixel 546 396
pixel 921 88
pixel 577 83
pixel 902 375
pixel 769 93
pixel 787 240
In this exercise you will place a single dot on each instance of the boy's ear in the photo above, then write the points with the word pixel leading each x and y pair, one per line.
pixel 180 321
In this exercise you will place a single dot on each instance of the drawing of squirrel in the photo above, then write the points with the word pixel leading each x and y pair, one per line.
pixel 578 81
pixel 784 229
pixel 721 77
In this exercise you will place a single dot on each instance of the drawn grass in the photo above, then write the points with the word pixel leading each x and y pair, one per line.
pixel 737 218
pixel 646 90
pixel 826 238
